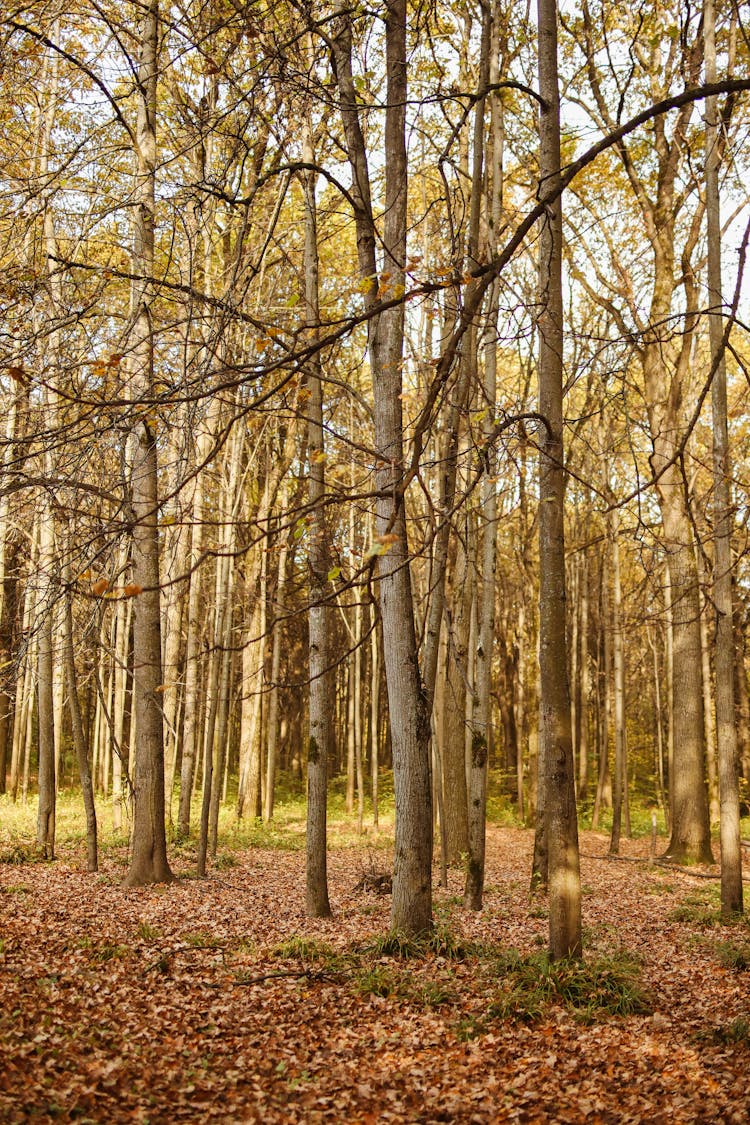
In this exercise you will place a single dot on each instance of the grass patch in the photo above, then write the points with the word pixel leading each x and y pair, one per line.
pixel 202 940
pixel 605 986
pixel 439 942
pixel 18 854
pixel 397 983
pixel 700 908
pixel 734 956
pixel 15 889
pixel 147 932
pixel 108 951
pixel 301 948
pixel 735 1033
pixel 225 860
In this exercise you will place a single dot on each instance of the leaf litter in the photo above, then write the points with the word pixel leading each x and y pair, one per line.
pixel 218 1000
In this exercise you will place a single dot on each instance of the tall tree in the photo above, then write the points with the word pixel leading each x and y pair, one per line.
pixel 654 175
pixel 556 740
pixel 319 744
pixel 410 724
pixel 149 862
pixel 731 853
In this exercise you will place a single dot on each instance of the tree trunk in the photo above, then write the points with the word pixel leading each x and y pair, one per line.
pixel 320 747
pixel 709 724
pixel 272 746
pixel 555 732
pixel 620 776
pixel 454 718
pixel 731 852
pixel 411 909
pixel 80 740
pixel 583 719
pixel 149 856
pixel 691 837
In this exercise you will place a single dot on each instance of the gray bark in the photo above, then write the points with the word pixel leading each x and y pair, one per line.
pixel 320 746
pixel 410 724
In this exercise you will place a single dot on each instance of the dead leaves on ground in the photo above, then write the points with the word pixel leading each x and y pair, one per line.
pixel 219 1001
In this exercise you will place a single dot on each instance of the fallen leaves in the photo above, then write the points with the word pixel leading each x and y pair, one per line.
pixel 219 1001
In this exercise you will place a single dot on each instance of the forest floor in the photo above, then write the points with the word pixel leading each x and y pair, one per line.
pixel 218 1000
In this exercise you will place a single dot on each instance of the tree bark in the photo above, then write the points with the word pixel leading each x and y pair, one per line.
pixel 320 747
pixel 149 856
pixel 731 852
pixel 80 740
pixel 555 732
pixel 411 909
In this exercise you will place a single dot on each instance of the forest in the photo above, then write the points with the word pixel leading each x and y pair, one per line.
pixel 374 570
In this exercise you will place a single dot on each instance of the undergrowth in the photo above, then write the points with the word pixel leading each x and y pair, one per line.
pixel 608 985
pixel 424 972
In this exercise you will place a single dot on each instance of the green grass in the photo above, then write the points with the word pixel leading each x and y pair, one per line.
pixel 147 932
pixel 608 985
pixel 734 955
pixel 202 940
pixel 735 1033
pixel 286 832
pixel 640 819
pixel 699 908
pixel 399 984
pixel 439 942
pixel 302 948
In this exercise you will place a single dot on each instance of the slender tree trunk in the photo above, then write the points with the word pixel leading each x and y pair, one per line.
pixel 709 724
pixel 230 514
pixel 411 909
pixel 272 747
pixel 374 714
pixel 658 725
pixel 45 706
pixel 620 776
pixel 731 853
pixel 358 747
pixel 481 723
pixel 583 738
pixel 48 585
pixel 117 688
pixel 80 740
pixel 191 714
pixel 149 856
pixel 557 756
pixel 454 719
pixel 669 646
pixel 741 689
pixel 320 746
pixel 24 677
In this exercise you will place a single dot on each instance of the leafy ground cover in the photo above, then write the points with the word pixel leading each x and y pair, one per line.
pixel 217 1000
